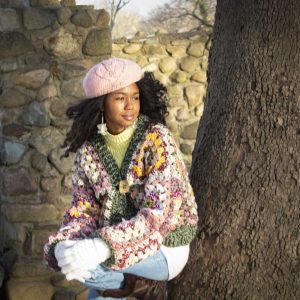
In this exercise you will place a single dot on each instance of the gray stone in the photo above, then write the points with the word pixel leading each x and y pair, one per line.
pixel 13 98
pixel 46 139
pixel 15 130
pixel 8 65
pixel 15 3
pixel 195 94
pixel 9 19
pixel 30 267
pixel 73 87
pixel 30 213
pixel 13 44
pixel 49 3
pixel 51 184
pixel 29 290
pixel 82 18
pixel 62 43
pixel 39 161
pixel 62 164
pixel 98 42
pixel 58 107
pixel 190 131
pixel 150 67
pixel 63 15
pixel 46 92
pixel 18 182
pixel 103 19
pixel 36 115
pixel 189 64
pixel 33 59
pixel 33 79
pixel 12 152
pixel 37 18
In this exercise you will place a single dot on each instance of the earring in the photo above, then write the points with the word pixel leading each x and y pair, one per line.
pixel 102 128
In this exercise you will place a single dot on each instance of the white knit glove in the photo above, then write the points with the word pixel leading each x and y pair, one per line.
pixel 76 258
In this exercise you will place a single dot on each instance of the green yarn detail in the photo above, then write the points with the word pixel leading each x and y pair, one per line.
pixel 122 205
pixel 181 236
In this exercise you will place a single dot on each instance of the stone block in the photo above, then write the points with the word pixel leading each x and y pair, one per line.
pixel 63 15
pixel 199 77
pixel 46 139
pixel 39 161
pixel 18 182
pixel 82 18
pixel 186 149
pixel 155 49
pixel 32 79
pixel 49 3
pixel 29 290
pixel 36 115
pixel 97 43
pixel 176 51
pixel 179 77
pixel 51 184
pixel 12 152
pixel 167 65
pixel 13 44
pixel 73 87
pixel 62 164
pixel 103 19
pixel 132 48
pixel 62 44
pixel 195 94
pixel 8 64
pixel 47 92
pixel 9 19
pixel 189 64
pixel 37 18
pixel 29 212
pixel 15 130
pixel 13 98
pixel 190 132
pixel 58 107
pixel 196 49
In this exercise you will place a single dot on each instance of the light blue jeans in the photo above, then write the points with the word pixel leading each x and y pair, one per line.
pixel 154 267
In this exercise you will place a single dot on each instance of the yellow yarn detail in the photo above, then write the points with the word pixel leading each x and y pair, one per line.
pixel 118 144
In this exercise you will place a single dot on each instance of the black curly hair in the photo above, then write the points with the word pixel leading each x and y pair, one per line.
pixel 86 114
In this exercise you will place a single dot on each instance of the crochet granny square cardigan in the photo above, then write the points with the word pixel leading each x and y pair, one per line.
pixel 156 207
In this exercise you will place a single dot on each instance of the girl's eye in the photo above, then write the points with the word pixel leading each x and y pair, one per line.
pixel 136 98
pixel 120 98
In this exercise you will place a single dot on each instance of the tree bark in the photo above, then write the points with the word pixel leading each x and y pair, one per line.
pixel 246 162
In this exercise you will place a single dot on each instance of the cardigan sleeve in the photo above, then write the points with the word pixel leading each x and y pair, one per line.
pixel 165 188
pixel 80 219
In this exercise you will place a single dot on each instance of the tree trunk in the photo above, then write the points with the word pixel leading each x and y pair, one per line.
pixel 246 161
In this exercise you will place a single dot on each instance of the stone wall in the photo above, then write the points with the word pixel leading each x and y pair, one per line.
pixel 44 54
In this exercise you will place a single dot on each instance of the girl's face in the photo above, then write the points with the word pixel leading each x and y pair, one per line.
pixel 122 108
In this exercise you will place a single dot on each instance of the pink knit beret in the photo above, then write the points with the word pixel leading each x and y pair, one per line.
pixel 110 75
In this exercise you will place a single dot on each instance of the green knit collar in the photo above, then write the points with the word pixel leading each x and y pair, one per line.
pixel 107 158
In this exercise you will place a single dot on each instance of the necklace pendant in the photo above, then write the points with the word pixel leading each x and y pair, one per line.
pixel 123 186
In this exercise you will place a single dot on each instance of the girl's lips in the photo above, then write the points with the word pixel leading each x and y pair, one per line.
pixel 128 117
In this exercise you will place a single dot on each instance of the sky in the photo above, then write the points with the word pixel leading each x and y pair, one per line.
pixel 141 7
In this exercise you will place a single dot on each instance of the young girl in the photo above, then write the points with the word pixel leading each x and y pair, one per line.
pixel 133 209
